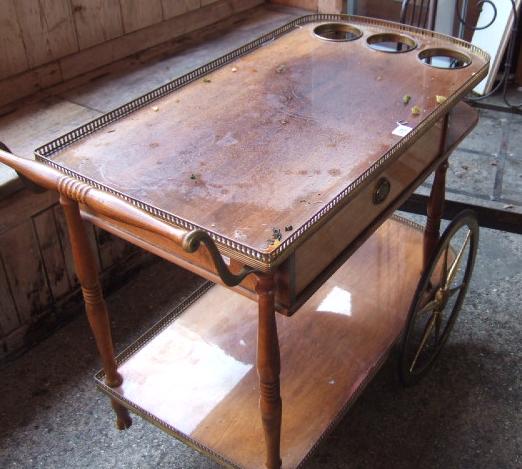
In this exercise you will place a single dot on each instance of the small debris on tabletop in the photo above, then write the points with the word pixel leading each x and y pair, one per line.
pixel 465 167
pixel 276 238
pixel 406 99
pixel 234 69
pixel 441 99
pixel 280 68
pixel 416 110
pixel 289 228
pixel 155 108
pixel 493 163
pixel 275 243
pixel 207 80
pixel 193 177
pixel 379 78
pixel 284 121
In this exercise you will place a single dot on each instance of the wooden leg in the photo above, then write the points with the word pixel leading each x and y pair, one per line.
pixel 94 303
pixel 435 206
pixel 268 369
pixel 434 211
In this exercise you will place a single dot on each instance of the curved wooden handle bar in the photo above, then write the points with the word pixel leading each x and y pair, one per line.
pixel 27 183
pixel 191 243
pixel 101 202
pixel 117 209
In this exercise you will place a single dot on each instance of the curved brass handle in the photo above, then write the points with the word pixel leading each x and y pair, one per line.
pixel 191 242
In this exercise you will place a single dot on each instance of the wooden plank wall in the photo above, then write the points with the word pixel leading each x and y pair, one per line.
pixel 44 42
pixel 36 267
pixel 322 6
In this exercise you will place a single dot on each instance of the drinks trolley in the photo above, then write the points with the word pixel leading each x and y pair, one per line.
pixel 274 172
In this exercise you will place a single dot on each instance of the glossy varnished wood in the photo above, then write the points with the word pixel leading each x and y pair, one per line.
pixel 97 315
pixel 268 363
pixel 269 140
pixel 315 254
pixel 198 377
pixel 434 210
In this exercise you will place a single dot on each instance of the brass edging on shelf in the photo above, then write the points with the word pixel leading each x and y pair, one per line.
pixel 149 335
pixel 171 317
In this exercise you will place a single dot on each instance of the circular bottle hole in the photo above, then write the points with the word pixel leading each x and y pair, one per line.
pixel 391 42
pixel 338 32
pixel 444 58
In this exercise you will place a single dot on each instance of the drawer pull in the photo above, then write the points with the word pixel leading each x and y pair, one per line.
pixel 382 190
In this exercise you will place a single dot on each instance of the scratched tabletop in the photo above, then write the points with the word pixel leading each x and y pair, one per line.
pixel 272 136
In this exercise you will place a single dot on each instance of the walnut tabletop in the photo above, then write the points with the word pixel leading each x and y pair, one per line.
pixel 276 135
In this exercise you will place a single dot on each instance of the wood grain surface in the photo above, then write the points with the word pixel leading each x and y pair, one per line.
pixel 270 140
pixel 199 375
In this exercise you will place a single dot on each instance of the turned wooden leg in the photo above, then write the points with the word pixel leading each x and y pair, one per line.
pixel 434 211
pixel 94 303
pixel 435 206
pixel 268 369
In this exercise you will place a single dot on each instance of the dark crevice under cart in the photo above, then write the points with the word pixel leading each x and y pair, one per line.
pixel 274 172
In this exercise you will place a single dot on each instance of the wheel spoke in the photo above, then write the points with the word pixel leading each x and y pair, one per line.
pixel 454 290
pixel 454 267
pixel 427 332
pixel 445 265
pixel 438 322
pixel 428 307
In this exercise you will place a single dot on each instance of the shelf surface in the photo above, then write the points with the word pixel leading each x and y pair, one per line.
pixel 194 375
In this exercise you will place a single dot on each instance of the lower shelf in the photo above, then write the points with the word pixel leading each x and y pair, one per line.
pixel 194 373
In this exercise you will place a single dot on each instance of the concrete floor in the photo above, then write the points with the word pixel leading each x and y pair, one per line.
pixel 466 413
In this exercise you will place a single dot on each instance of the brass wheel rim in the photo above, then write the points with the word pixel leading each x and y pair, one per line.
pixel 436 304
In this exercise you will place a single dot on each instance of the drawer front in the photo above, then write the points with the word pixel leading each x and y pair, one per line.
pixel 316 253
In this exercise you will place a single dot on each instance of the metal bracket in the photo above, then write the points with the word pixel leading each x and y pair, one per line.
pixel 191 242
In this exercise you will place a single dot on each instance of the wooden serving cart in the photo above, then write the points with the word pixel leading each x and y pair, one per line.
pixel 274 173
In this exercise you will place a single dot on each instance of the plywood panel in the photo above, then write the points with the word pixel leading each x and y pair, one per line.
pixel 173 8
pixel 306 4
pixel 35 124
pixel 47 29
pixel 128 44
pixel 61 230
pixel 29 82
pixel 111 249
pixel 8 315
pixel 18 208
pixel 138 14
pixel 389 10
pixel 51 253
pixel 330 6
pixel 24 268
pixel 12 52
pixel 97 21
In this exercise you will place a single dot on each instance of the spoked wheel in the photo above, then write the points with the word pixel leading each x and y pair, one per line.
pixel 439 297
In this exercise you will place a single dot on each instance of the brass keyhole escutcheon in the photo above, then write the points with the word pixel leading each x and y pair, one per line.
pixel 382 190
